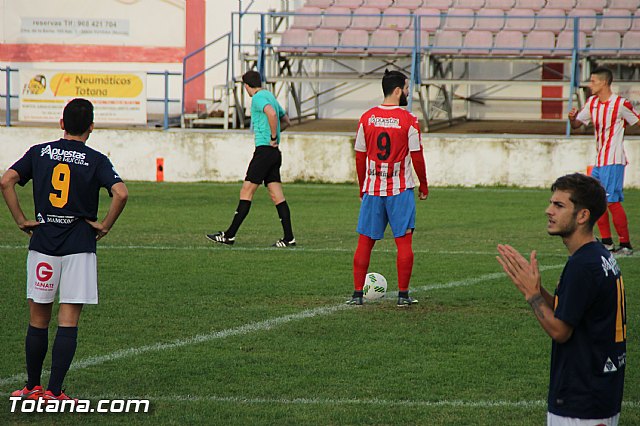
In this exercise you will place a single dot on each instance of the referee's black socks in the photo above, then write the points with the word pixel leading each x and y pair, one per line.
pixel 285 219
pixel 241 212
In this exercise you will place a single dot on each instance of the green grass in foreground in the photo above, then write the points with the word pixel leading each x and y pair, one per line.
pixel 471 352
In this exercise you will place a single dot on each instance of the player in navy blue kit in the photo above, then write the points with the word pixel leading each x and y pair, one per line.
pixel 586 317
pixel 67 176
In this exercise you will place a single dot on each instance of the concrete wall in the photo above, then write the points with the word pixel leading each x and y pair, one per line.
pixel 223 156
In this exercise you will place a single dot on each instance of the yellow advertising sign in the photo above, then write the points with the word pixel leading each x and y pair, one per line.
pixel 118 98
pixel 96 85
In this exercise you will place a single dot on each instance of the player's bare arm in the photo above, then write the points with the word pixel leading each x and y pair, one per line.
pixel 272 116
pixel 8 186
pixel 120 197
pixel 526 276
pixel 572 115
pixel 285 122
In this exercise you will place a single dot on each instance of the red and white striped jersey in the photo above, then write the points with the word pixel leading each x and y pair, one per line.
pixel 387 134
pixel 609 121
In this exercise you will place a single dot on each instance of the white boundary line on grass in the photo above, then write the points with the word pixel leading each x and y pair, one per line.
pixel 343 401
pixel 267 324
pixel 292 250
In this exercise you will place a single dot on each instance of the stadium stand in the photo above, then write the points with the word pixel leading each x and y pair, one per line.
pixel 452 34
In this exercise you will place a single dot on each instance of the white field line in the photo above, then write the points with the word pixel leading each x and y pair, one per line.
pixel 333 402
pixel 244 329
pixel 293 250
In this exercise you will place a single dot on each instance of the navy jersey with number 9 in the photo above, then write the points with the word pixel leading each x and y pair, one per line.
pixel 67 176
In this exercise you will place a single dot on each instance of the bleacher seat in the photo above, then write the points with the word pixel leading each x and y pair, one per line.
pixel 308 18
pixel 551 20
pixel 409 4
pixel 383 41
pixel 349 4
pixel 565 5
pixel 535 5
pixel 565 42
pixel 441 5
pixel 429 19
pixel 378 4
pixel 539 43
pixel 597 5
pixel 630 5
pixel 396 18
pixel 447 42
pixel 499 4
pixel 489 20
pixel 618 20
pixel 519 20
pixel 468 4
pixel 337 18
pixel 587 21
pixel 459 19
pixel 365 18
pixel 631 43
pixel 477 42
pixel 604 43
pixel 294 40
pixel 322 4
pixel 635 22
pixel 323 40
pixel 508 42
pixel 407 41
pixel 355 40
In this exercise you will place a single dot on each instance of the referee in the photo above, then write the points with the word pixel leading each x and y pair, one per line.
pixel 268 119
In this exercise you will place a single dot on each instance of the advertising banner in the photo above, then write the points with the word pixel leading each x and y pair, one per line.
pixel 118 98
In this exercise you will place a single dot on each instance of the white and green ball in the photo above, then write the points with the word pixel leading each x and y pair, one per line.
pixel 375 286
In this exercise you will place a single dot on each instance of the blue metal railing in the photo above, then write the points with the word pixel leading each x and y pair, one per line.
pixel 7 94
pixel 166 99
pixel 186 80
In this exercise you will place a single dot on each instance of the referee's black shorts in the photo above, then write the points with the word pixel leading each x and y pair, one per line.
pixel 264 166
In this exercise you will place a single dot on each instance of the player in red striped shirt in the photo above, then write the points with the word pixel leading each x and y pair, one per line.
pixel 610 114
pixel 387 141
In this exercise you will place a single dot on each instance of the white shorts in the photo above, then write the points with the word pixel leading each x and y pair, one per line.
pixel 553 420
pixel 75 274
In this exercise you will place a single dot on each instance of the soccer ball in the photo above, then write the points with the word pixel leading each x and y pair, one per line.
pixel 375 286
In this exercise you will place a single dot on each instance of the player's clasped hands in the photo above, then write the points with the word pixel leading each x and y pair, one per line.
pixel 525 275
pixel 572 114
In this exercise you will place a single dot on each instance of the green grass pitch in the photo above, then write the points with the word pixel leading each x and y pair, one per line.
pixel 249 335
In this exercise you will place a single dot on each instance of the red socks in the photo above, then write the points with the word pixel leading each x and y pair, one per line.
pixel 361 261
pixel 603 226
pixel 404 261
pixel 619 221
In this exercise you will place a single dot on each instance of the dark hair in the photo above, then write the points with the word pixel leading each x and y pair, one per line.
pixel 391 80
pixel 77 116
pixel 252 79
pixel 586 193
pixel 604 74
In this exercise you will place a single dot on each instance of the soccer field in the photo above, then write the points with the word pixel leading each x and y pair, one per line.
pixel 250 335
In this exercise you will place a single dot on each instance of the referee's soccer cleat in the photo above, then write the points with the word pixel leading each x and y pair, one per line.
pixel 355 301
pixel 281 243
pixel 219 237
pixel 406 301
pixel 25 393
